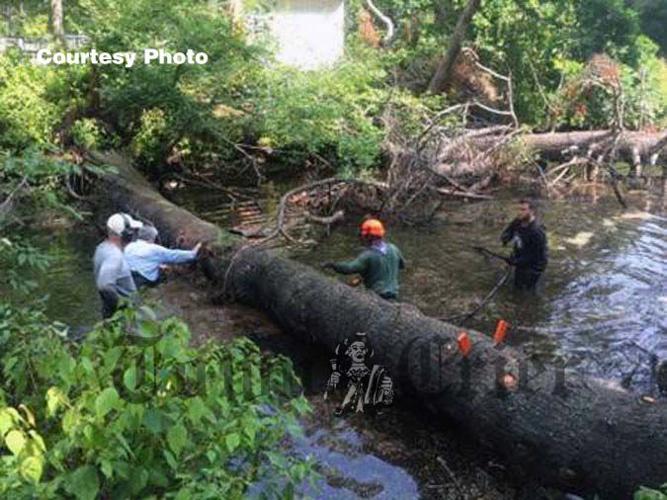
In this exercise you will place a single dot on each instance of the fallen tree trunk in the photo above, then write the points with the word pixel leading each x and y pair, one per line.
pixel 577 433
pixel 630 146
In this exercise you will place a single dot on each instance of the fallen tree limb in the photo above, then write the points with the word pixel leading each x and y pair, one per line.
pixel 574 432
pixel 338 215
pixel 555 146
pixel 464 194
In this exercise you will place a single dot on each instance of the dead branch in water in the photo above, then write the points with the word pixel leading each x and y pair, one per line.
pixel 328 220
pixel 280 224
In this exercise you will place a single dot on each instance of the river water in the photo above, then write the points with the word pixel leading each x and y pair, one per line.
pixel 602 309
pixel 602 306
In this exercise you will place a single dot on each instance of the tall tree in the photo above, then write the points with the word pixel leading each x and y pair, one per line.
pixel 443 71
pixel 57 27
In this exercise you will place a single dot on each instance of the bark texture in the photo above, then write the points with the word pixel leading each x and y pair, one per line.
pixel 628 145
pixel 443 72
pixel 576 433
pixel 57 27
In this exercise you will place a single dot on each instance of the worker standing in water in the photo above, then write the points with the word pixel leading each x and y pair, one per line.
pixel 529 239
pixel 378 264
pixel 113 277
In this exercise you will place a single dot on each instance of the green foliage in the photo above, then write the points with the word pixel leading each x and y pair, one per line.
pixel 35 179
pixel 328 112
pixel 87 134
pixel 28 111
pixel 15 259
pixel 135 410
pixel 645 493
pixel 29 18
pixel 197 115
pixel 653 17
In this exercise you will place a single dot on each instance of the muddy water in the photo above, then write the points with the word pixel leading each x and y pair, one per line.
pixel 602 306
pixel 602 309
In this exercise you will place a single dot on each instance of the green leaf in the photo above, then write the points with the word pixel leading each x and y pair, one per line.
pixel 30 418
pixel 87 366
pixel 15 441
pixel 38 441
pixel 171 460
pixel 138 479
pixel 106 401
pixel 31 468
pixel 232 440
pixel 107 468
pixel 9 418
pixel 70 421
pixel 111 358
pixel 130 377
pixel 197 410
pixel 55 399
pixel 183 494
pixel 83 483
pixel 153 421
pixel 177 437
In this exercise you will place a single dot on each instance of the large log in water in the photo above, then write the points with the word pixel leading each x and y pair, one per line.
pixel 634 147
pixel 577 433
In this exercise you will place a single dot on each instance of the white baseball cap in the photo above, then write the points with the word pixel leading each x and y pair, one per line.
pixel 117 223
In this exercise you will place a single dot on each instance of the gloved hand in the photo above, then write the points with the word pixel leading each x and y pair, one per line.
pixel 327 265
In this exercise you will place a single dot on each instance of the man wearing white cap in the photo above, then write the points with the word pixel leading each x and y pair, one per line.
pixel 146 258
pixel 112 273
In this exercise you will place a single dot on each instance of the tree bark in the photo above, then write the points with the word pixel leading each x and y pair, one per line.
pixel 443 72
pixel 57 27
pixel 576 433
pixel 631 146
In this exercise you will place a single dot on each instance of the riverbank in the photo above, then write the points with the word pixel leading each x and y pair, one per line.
pixel 401 445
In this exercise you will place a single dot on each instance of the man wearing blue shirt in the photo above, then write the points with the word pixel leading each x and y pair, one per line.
pixel 145 257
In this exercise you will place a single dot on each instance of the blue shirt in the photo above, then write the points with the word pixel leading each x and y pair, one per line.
pixel 146 258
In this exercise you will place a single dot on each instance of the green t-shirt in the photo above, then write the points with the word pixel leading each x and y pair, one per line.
pixel 379 270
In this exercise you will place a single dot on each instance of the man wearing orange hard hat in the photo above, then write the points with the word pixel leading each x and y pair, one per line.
pixel 378 264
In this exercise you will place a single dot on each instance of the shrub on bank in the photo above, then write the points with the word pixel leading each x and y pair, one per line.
pixel 135 410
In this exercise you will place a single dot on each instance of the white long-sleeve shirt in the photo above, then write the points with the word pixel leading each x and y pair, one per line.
pixel 146 258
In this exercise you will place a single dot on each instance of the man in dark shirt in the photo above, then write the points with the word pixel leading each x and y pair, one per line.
pixel 530 246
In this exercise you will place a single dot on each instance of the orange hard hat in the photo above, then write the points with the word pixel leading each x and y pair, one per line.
pixel 372 227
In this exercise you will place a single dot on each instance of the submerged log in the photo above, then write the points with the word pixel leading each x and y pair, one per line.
pixel 576 433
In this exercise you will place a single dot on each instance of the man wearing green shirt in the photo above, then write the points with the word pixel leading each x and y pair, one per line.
pixel 378 264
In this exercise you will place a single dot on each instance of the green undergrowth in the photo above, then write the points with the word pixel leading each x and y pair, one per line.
pixel 135 411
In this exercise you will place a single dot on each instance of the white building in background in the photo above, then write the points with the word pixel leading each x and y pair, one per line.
pixel 310 34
